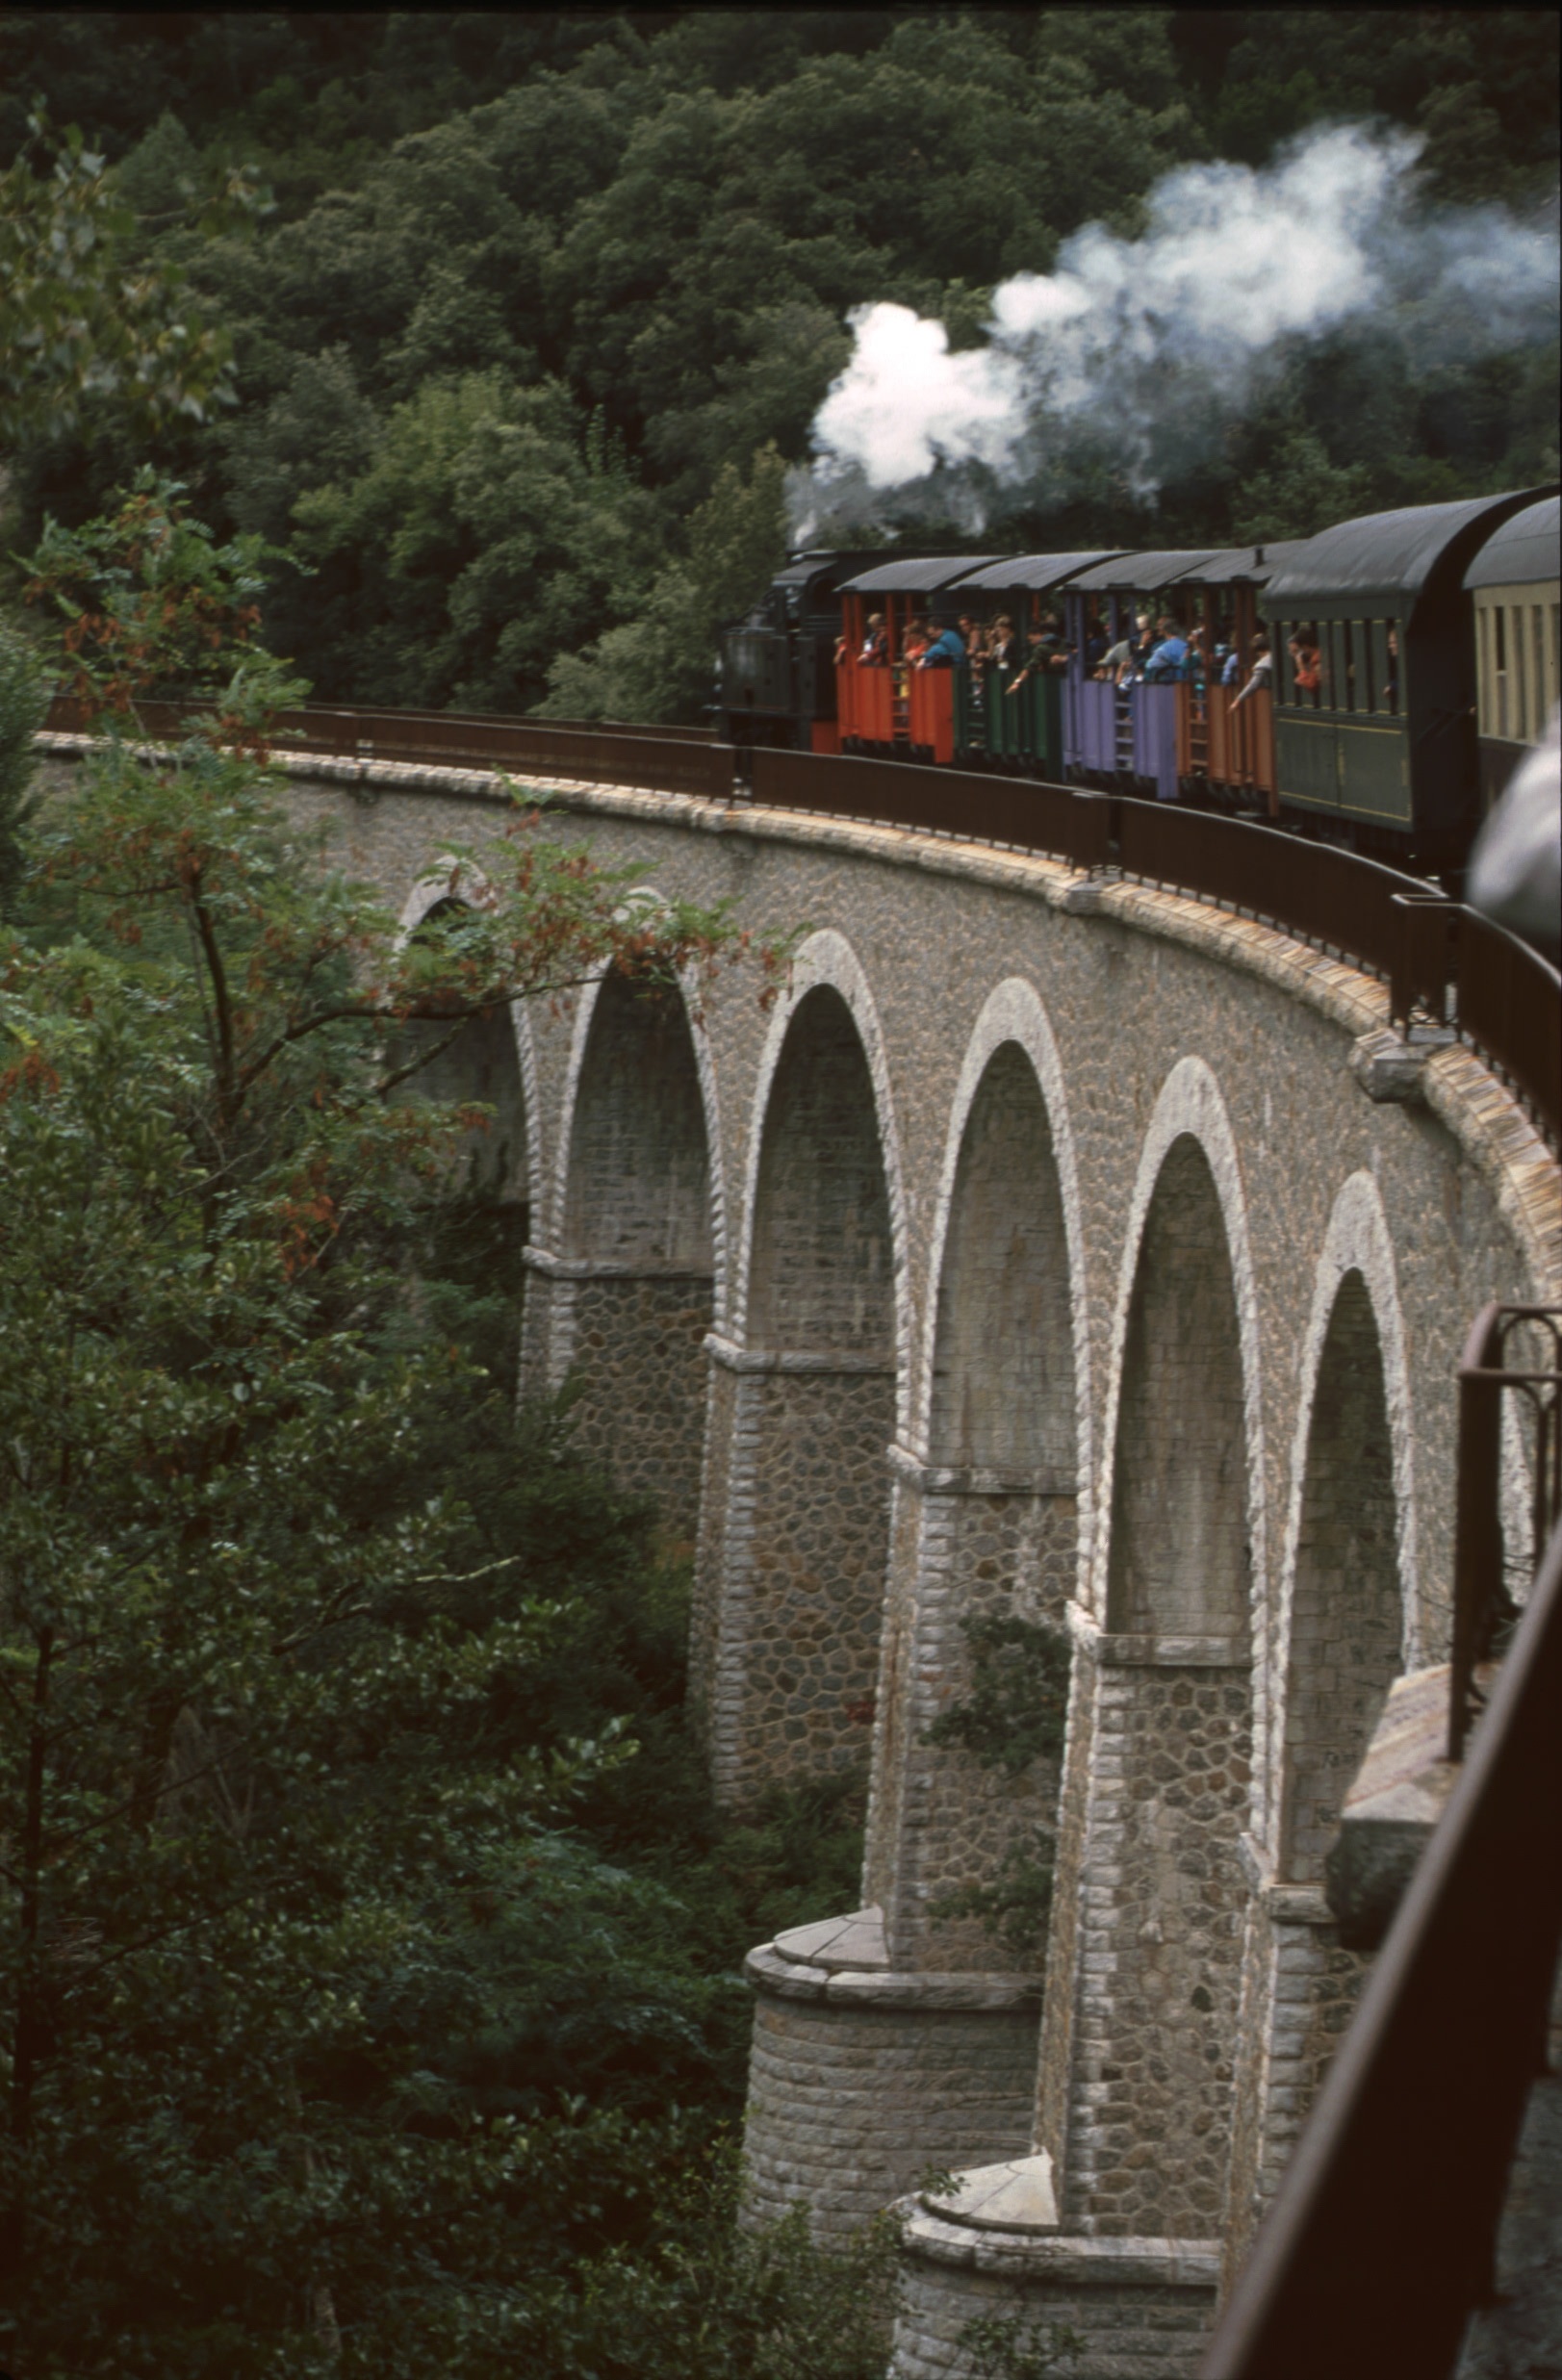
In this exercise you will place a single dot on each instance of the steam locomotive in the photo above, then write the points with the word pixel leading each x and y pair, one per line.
pixel 1415 659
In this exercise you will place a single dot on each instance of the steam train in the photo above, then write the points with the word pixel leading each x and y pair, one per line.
pixel 1415 659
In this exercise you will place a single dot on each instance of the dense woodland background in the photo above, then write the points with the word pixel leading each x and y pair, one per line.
pixel 549 300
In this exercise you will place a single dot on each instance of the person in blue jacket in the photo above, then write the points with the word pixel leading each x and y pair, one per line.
pixel 1170 660
pixel 946 649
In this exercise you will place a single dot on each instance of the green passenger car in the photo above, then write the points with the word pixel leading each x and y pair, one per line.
pixel 1375 677
pixel 1022 730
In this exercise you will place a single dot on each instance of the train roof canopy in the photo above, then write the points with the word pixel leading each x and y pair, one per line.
pixel 1256 564
pixel 915 574
pixel 1033 569
pixel 1526 548
pixel 1139 574
pixel 803 567
pixel 1383 555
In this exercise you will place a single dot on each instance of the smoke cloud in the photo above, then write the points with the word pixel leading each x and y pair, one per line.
pixel 1133 355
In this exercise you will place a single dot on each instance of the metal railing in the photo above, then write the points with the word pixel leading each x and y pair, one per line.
pixel 1484 1605
pixel 1439 960
pixel 610 755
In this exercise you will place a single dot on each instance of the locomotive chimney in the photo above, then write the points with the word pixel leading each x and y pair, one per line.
pixel 1258 555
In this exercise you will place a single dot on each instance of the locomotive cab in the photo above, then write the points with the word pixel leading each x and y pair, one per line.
pixel 778 676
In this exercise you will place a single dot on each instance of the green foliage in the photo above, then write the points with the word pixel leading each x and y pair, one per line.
pixel 1014 1906
pixel 491 529
pixel 1018 1703
pixel 331 2039
pixel 1301 493
pixel 154 607
pixel 23 706
pixel 706 2297
pixel 1015 1713
pixel 1010 2348
pixel 662 665
pixel 81 325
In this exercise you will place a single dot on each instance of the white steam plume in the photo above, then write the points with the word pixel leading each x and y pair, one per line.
pixel 1135 352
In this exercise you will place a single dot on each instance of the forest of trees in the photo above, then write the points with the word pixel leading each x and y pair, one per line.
pixel 545 302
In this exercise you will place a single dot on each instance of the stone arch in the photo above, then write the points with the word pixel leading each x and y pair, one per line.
pixel 993 1485
pixel 806 1394
pixel 1167 1694
pixel 1182 1476
pixel 493 1060
pixel 1350 1538
pixel 826 962
pixel 635 1238
pixel 1027 1095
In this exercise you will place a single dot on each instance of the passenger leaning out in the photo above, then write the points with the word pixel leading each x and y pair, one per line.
pixel 1306 662
pixel 1263 671
pixel 876 643
pixel 946 649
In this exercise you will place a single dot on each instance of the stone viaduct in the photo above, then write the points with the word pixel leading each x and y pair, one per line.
pixel 1041 1252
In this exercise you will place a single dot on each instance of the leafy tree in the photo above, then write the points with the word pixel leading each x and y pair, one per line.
pixel 79 322
pixel 491 529
pixel 23 705
pixel 290 1932
pixel 662 665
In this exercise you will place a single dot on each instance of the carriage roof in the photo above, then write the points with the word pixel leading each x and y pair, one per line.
pixel 1522 550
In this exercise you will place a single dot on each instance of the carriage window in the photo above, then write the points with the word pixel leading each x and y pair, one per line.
pixel 1537 685
pixel 1390 668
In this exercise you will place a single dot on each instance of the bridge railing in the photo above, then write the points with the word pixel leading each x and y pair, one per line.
pixel 602 754
pixel 1441 962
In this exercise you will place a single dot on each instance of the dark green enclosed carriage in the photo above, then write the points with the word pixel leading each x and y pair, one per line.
pixel 1375 676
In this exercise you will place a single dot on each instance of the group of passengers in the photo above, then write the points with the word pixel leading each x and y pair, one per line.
pixel 1156 651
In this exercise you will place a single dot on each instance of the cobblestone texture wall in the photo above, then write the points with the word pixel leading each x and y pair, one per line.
pixel 806 1531
pixel 1126 2332
pixel 810 1476
pixel 975 1553
pixel 1003 1379
pixel 1067 2031
pixel 849 2108
pixel 638 1345
pixel 638 1190
pixel 1161 1938
pixel 1346 1642
pixel 1142 2045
